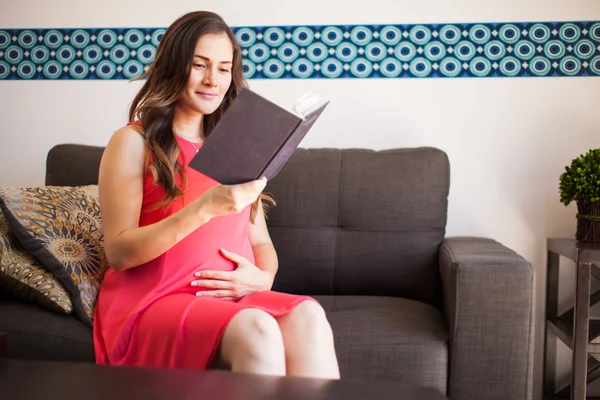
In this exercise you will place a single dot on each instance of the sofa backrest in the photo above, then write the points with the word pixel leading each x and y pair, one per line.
pixel 347 221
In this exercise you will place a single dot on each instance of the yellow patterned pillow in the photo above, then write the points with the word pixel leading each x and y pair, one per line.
pixel 61 227
pixel 23 277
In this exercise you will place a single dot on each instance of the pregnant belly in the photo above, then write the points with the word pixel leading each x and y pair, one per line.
pixel 215 261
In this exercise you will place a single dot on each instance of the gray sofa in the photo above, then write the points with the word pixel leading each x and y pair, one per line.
pixel 364 233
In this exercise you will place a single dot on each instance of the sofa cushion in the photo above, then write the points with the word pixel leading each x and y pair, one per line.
pixel 73 165
pixel 389 338
pixel 62 228
pixel 379 218
pixel 375 337
pixel 38 334
pixel 22 277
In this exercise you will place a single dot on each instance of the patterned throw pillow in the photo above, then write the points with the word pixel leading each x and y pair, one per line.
pixel 23 277
pixel 62 228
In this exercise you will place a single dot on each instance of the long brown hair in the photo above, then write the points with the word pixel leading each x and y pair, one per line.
pixel 167 76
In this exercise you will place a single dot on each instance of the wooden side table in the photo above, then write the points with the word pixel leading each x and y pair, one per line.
pixel 574 326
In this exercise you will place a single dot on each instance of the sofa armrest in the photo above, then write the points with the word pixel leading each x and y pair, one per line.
pixel 489 308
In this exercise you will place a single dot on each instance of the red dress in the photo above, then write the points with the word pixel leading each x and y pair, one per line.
pixel 150 316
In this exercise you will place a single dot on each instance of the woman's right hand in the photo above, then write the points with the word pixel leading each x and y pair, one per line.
pixel 230 199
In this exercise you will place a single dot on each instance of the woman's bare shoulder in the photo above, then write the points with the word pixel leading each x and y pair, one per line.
pixel 130 135
pixel 128 142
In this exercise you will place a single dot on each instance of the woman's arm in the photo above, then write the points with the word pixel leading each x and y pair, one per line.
pixel 262 246
pixel 120 185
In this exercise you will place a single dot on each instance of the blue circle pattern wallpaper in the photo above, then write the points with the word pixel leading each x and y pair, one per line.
pixel 532 49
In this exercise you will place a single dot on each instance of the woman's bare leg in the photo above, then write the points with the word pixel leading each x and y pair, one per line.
pixel 253 343
pixel 308 341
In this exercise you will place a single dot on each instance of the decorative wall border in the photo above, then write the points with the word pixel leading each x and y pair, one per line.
pixel 525 49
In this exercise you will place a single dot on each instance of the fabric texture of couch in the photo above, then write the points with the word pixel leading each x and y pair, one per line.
pixel 363 232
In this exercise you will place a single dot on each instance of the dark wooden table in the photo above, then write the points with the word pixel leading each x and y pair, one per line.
pixel 3 344
pixel 56 380
pixel 573 327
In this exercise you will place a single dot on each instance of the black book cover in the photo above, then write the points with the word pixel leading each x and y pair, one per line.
pixel 254 138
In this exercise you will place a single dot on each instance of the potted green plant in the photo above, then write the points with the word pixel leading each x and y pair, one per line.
pixel 581 183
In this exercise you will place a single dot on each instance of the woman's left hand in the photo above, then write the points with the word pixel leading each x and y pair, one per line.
pixel 233 285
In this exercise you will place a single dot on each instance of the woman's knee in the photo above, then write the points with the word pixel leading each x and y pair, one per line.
pixel 254 334
pixel 310 311
pixel 310 317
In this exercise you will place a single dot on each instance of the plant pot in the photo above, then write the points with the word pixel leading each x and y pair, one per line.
pixel 588 222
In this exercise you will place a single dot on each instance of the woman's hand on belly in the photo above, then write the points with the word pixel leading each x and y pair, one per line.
pixel 246 279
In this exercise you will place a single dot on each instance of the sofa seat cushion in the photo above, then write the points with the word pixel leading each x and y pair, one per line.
pixel 389 338
pixel 36 333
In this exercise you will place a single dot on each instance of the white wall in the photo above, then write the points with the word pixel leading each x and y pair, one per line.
pixel 508 139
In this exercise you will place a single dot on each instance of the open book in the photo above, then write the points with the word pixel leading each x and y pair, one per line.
pixel 255 138
pixel 307 104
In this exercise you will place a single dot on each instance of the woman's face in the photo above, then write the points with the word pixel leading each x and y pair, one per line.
pixel 210 76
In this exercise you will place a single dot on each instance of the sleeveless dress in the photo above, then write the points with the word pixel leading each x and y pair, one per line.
pixel 150 315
